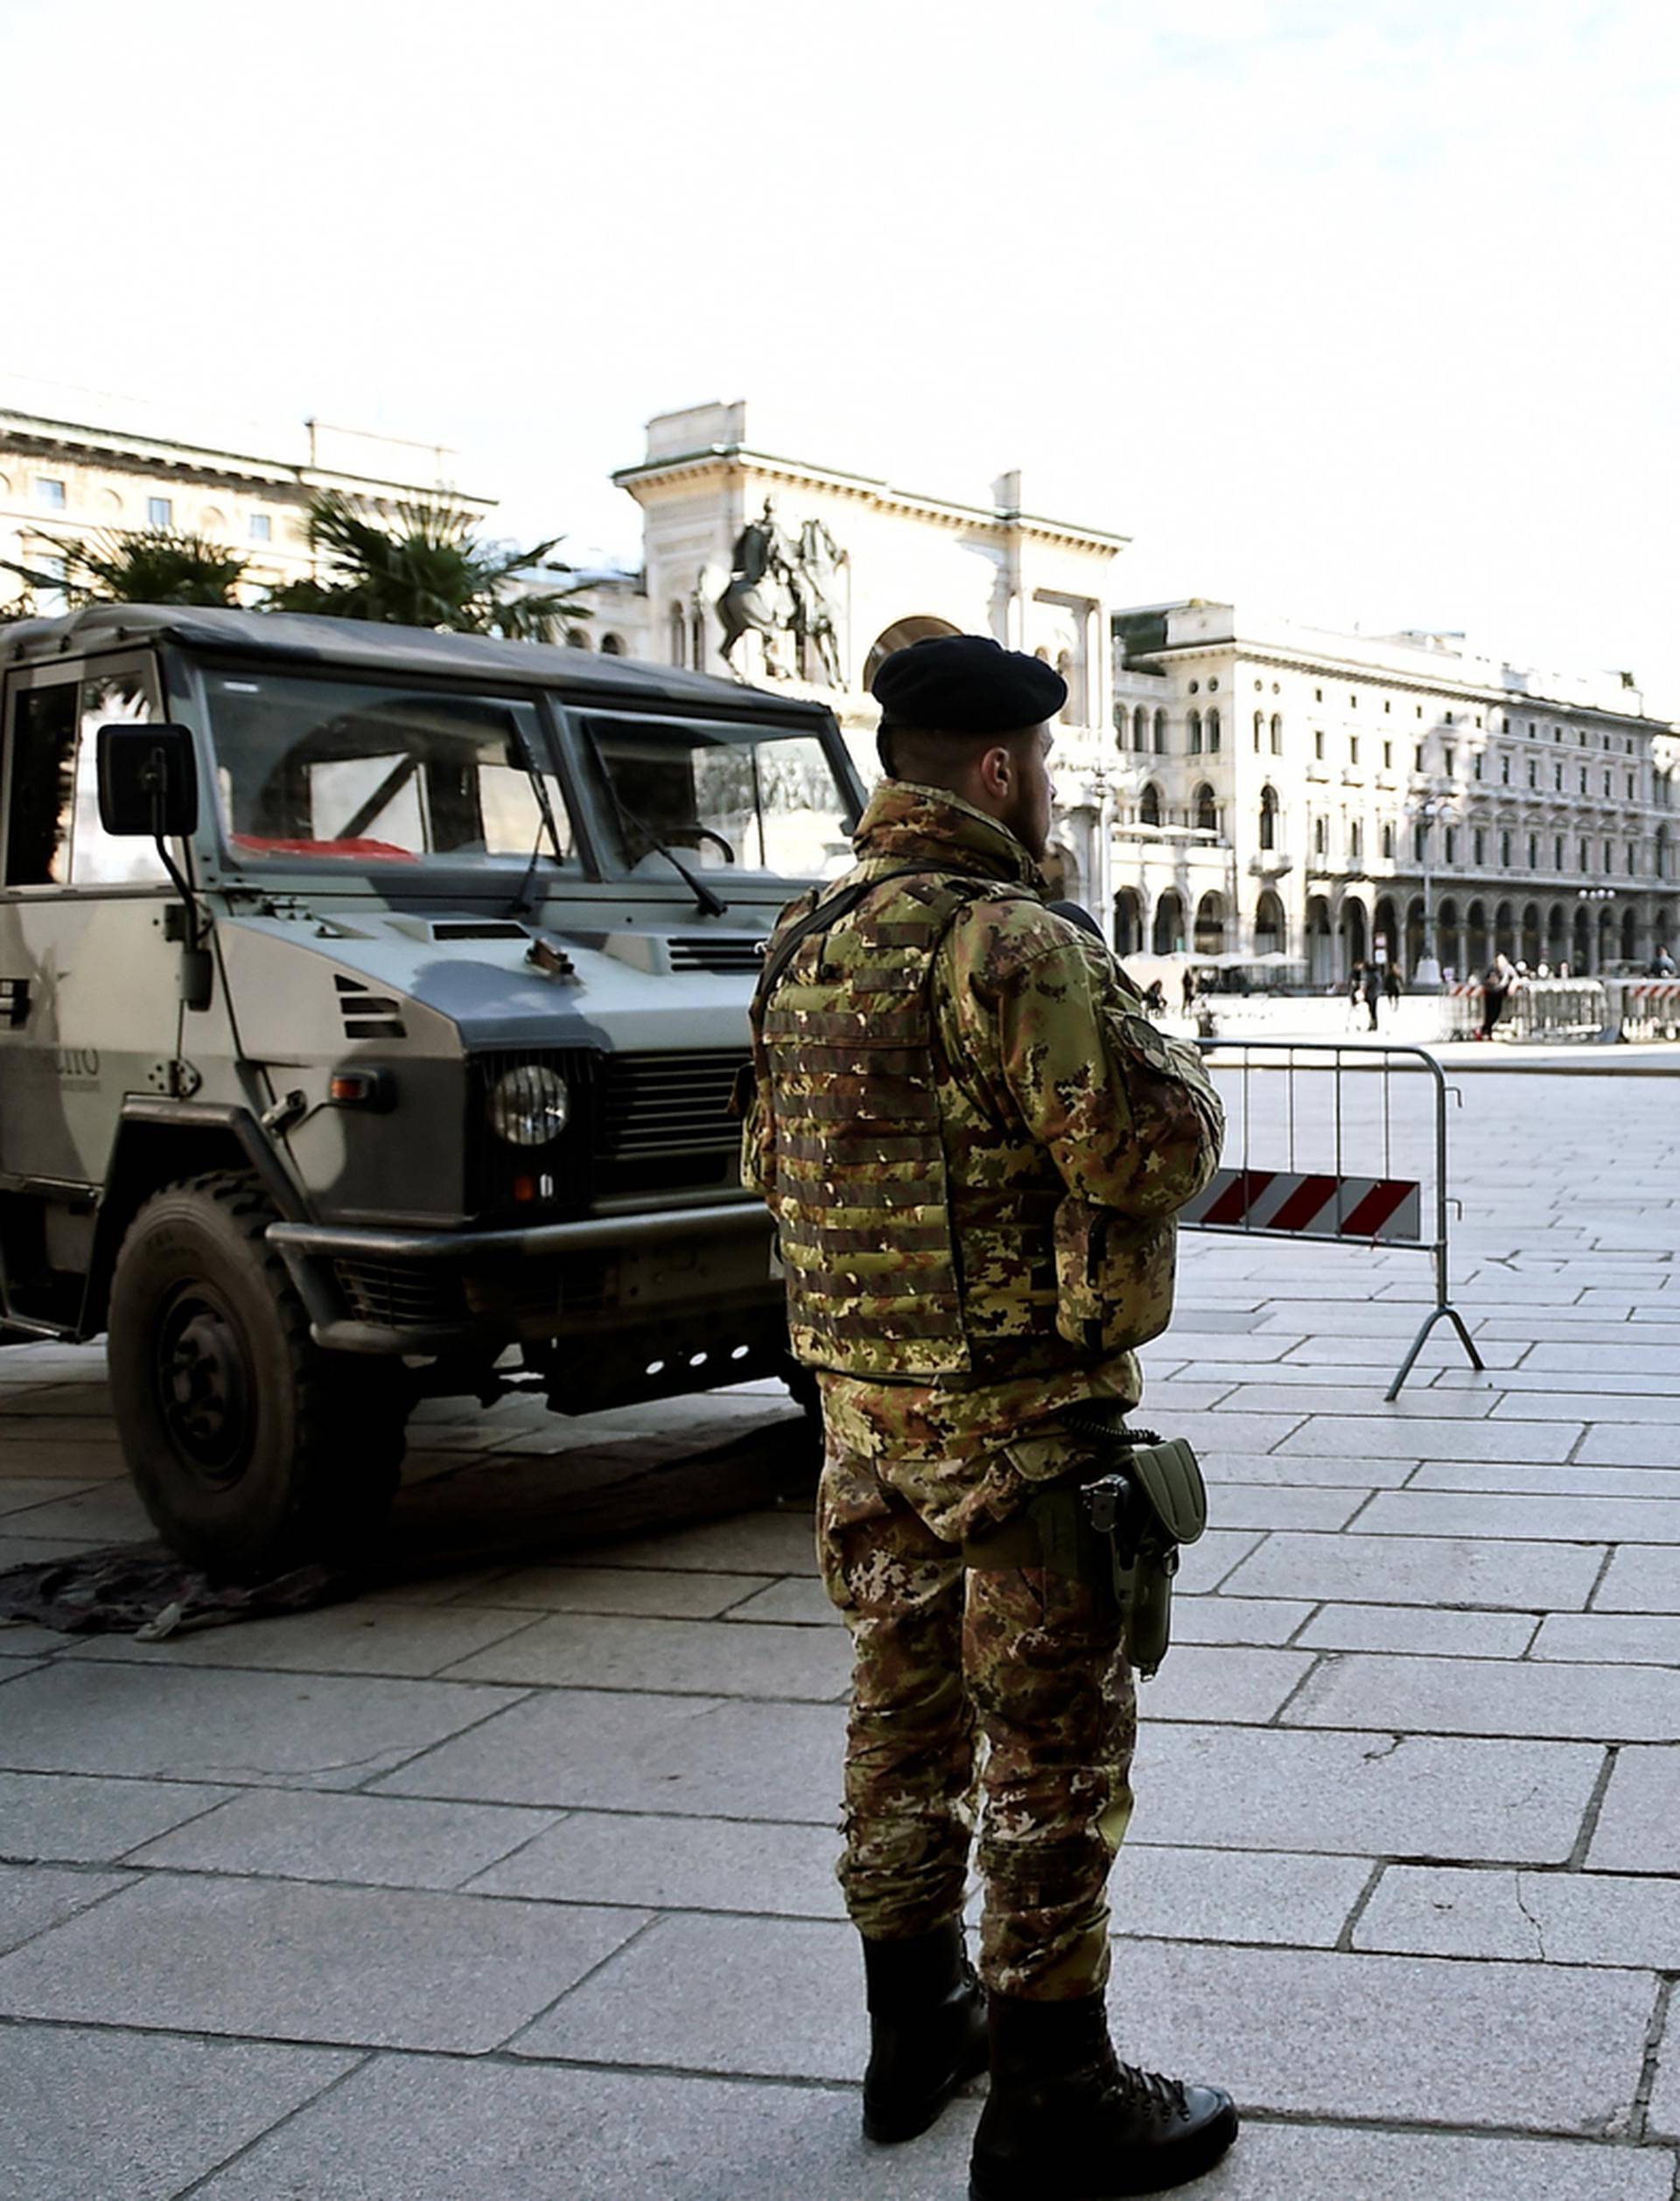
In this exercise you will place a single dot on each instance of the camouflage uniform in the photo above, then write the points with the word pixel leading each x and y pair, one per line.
pixel 973 1142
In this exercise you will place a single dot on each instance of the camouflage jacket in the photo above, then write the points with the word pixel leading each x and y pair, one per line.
pixel 1061 1111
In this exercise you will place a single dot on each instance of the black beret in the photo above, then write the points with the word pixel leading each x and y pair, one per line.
pixel 966 683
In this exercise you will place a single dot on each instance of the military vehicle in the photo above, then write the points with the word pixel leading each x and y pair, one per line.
pixel 370 1004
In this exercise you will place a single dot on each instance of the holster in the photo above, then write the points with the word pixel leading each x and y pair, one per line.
pixel 1120 1532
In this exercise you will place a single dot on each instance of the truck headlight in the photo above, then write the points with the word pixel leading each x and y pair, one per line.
pixel 528 1106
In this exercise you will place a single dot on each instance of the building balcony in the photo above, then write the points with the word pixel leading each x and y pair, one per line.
pixel 1270 863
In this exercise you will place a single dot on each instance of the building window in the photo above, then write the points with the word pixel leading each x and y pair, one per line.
pixel 1259 729
pixel 1320 837
pixel 1475 765
pixel 1446 762
pixel 1387 704
pixel 1452 839
pixel 1419 843
pixel 1447 718
pixel 1586 864
pixel 1317 745
pixel 1387 844
pixel 1277 735
pixel 1534 773
pixel 1609 858
pixel 1212 727
pixel 1606 787
pixel 160 512
pixel 1505 850
pixel 1194 686
pixel 1160 734
pixel 1558 778
pixel 1418 757
pixel 1269 817
pixel 1318 695
pixel 1140 728
pixel 1504 771
pixel 1534 852
pixel 1149 808
pixel 261 528
pixel 1479 844
pixel 1356 843
pixel 612 645
pixel 1388 756
pixel 1353 703
pixel 1630 786
pixel 679 634
pixel 1353 748
pixel 1193 725
pixel 50 493
pixel 1207 809
pixel 1583 779
pixel 1633 865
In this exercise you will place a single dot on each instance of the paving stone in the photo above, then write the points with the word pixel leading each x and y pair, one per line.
pixel 1603 1520
pixel 1489 1696
pixel 69 1818
pixel 648 1590
pixel 106 1513
pixel 1620 1444
pixel 1526 1479
pixel 35 1551
pixel 1640 1579
pixel 1323 2162
pixel 33 1897
pixel 1390 2038
pixel 1337 1471
pixel 1430 1631
pixel 1639 1826
pixel 381 1841
pixel 22 1639
pixel 85 1716
pixel 1664 2118
pixel 14 1669
pixel 27 1458
pixel 1236 1341
pixel 21 1494
pixel 352 1638
pixel 1415 1570
pixel 709 1657
pixel 797 1601
pixel 1219 1619
pixel 1362 1796
pixel 1223 1894
pixel 1421 1437
pixel 1204 1682
pixel 1645 1639
pixel 691 1994
pixel 436 2130
pixel 1611 1410
pixel 1255 1505
pixel 139 2116
pixel 362 1966
pixel 1205 1564
pixel 1547 1917
pixel 1217 1433
pixel 706 1755
pixel 750 1543
pixel 1367 1401
pixel 676 1864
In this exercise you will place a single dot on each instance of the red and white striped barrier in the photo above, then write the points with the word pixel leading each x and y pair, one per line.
pixel 1289 1203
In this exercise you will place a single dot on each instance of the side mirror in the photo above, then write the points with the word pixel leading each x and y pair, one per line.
pixel 148 782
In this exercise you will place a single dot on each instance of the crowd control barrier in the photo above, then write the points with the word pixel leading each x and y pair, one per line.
pixel 1535 1009
pixel 1645 1008
pixel 1335 1140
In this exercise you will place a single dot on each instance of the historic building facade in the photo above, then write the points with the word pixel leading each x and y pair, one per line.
pixel 1324 798
pixel 70 479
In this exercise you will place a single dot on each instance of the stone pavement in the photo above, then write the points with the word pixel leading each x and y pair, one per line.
pixel 513 1878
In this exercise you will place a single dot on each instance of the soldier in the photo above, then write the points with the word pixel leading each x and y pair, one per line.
pixel 973 1142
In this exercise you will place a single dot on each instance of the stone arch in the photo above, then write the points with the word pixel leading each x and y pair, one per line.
pixel 1167 935
pixel 1355 933
pixel 577 638
pixel 1385 928
pixel 1449 944
pixel 1581 943
pixel 1271 925
pixel 1557 935
pixel 1414 949
pixel 1531 935
pixel 1128 921
pixel 1149 805
pixel 921 628
pixel 1476 953
pixel 1140 729
pixel 612 645
pixel 1607 935
pixel 1505 940
pixel 1210 924
pixel 1160 734
pixel 1630 935
pixel 1193 733
pixel 1204 809
pixel 1320 943
pixel 1268 816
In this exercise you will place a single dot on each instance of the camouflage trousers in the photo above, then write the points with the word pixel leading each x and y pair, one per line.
pixel 1006 1687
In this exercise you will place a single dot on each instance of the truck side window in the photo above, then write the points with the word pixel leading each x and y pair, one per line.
pixel 41 763
pixel 108 699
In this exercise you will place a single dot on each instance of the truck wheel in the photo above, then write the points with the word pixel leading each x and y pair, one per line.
pixel 252 1450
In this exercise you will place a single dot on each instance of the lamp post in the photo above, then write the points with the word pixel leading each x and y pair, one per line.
pixel 1425 812
pixel 1598 894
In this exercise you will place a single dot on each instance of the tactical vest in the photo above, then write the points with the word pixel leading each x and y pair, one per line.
pixel 916 1227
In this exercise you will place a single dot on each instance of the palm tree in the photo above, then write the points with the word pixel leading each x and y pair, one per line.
pixel 149 565
pixel 425 571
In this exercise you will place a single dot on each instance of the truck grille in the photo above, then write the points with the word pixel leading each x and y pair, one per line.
pixel 664 1120
pixel 403 1294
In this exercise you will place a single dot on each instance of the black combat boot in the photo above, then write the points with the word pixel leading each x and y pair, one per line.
pixel 1067 2121
pixel 927 2029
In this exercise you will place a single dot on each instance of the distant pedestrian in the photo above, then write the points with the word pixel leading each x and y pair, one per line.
pixel 1188 989
pixel 1496 989
pixel 1373 991
pixel 1393 985
pixel 1663 964
pixel 1356 992
pixel 1155 998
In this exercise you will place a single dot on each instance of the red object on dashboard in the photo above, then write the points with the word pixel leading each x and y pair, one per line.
pixel 384 851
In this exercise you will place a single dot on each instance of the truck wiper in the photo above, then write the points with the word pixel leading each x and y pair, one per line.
pixel 712 905
pixel 540 789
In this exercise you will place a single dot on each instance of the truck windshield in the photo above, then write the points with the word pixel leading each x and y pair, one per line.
pixel 766 798
pixel 356 772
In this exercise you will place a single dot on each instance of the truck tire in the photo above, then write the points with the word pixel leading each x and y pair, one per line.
pixel 252 1450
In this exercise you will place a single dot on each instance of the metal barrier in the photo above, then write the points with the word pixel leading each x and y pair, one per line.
pixel 1344 1122
pixel 1535 1009
pixel 1645 1008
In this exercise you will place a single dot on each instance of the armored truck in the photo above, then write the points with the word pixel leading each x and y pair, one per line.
pixel 370 1004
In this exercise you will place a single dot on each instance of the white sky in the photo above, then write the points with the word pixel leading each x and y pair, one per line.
pixel 1367 311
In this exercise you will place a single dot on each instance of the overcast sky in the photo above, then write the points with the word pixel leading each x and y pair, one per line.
pixel 1364 311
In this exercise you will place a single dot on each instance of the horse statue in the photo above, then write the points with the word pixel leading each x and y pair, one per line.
pixel 757 596
pixel 816 567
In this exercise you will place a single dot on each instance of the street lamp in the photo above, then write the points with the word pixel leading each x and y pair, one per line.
pixel 1427 811
pixel 1600 895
